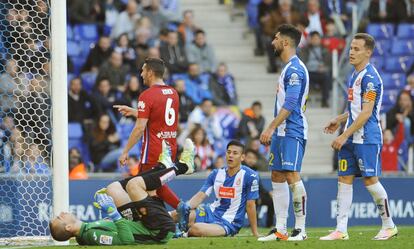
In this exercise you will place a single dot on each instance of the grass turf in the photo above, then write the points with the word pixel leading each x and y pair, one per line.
pixel 360 237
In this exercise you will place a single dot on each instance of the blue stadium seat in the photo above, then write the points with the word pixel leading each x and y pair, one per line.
pixel 87 32
pixel 75 134
pixel 398 64
pixel 69 33
pixel 393 81
pixel 74 50
pixel 402 47
pixel 77 64
pixel 86 47
pixel 88 80
pixel 70 77
pixel 124 130
pixel 382 47
pixel 389 97
pixel 405 30
pixel 378 62
pixel 381 31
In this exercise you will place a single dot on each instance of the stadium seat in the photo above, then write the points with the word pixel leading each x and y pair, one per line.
pixel 70 77
pixel 378 62
pixel 402 47
pixel 74 50
pixel 390 97
pixel 69 33
pixel 87 32
pixel 75 134
pixel 77 64
pixel 124 130
pixel 393 81
pixel 381 31
pixel 88 81
pixel 398 64
pixel 86 47
pixel 382 47
pixel 405 30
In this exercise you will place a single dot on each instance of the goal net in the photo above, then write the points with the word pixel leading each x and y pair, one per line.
pixel 25 120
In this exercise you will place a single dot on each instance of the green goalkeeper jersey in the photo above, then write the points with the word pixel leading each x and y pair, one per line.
pixel 121 232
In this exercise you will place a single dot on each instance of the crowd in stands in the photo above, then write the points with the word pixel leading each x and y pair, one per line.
pixel 108 41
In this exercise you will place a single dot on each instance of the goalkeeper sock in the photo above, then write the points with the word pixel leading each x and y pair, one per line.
pixel 343 202
pixel 299 204
pixel 380 197
pixel 280 196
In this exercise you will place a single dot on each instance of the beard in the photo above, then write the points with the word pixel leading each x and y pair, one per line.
pixel 277 52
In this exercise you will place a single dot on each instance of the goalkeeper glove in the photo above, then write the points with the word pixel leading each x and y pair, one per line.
pixel 100 191
pixel 108 206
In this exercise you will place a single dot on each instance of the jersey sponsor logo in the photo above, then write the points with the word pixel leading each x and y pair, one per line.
pixel 105 240
pixel 141 106
pixel 227 192
pixel 167 91
pixel 361 164
pixel 167 134
pixel 238 182
pixel 350 94
pixel 255 186
pixel 287 163
pixel 294 79
pixel 358 82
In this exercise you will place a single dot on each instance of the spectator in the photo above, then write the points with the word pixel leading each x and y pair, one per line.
pixel 302 24
pixel 6 129
pixel 132 167
pixel 123 47
pixel 256 146
pixel 391 146
pixel 105 97
pixel 264 10
pixel 252 123
pixel 316 18
pixel 318 61
pixel 98 55
pixel 284 14
pixel 387 11
pixel 33 162
pixel 199 82
pixel 187 27
pixel 171 8
pixel 77 168
pixel 80 104
pixel 132 92
pixel 204 116
pixel 222 87
pixel 81 12
pixel 331 40
pixel 104 139
pixel 126 21
pixel 174 54
pixel 403 106
pixel 201 53
pixel 186 103
pixel 114 71
pixel 156 15
pixel 12 86
pixel 265 198
pixel 410 85
pixel 219 162
pixel 336 10
pixel 410 10
pixel 203 147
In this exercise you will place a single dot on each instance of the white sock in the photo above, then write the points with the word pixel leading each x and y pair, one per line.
pixel 299 204
pixel 380 197
pixel 280 196
pixel 344 202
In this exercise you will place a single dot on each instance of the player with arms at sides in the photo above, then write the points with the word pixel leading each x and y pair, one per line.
pixel 288 134
pixel 157 119
pixel 235 187
pixel 360 144
pixel 150 222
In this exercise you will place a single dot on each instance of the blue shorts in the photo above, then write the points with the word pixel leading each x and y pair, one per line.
pixel 205 215
pixel 286 153
pixel 360 160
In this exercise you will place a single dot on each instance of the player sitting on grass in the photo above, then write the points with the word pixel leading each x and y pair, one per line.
pixel 235 188
pixel 152 224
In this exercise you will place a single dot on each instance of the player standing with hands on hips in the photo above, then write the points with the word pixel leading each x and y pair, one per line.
pixel 288 134
pixel 360 144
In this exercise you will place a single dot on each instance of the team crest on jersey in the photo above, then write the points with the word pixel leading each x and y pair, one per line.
pixel 227 192
pixel 294 79
pixel 105 240
pixel 141 105
pixel 238 182
pixel 370 86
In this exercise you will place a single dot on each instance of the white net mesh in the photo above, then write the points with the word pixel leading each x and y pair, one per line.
pixel 25 122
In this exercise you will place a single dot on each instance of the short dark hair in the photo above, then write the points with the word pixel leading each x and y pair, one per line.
pixel 155 65
pixel 236 143
pixel 290 31
pixel 369 40
pixel 199 31
pixel 253 152
pixel 314 33
pixel 257 103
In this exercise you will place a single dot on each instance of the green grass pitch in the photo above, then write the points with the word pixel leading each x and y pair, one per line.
pixel 360 237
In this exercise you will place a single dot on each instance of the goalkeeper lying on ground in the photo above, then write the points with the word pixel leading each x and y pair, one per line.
pixel 155 225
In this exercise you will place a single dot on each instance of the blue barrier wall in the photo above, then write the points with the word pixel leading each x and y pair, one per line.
pixel 321 200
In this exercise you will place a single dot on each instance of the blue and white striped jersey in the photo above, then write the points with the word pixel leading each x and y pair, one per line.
pixel 232 193
pixel 365 86
pixel 293 79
